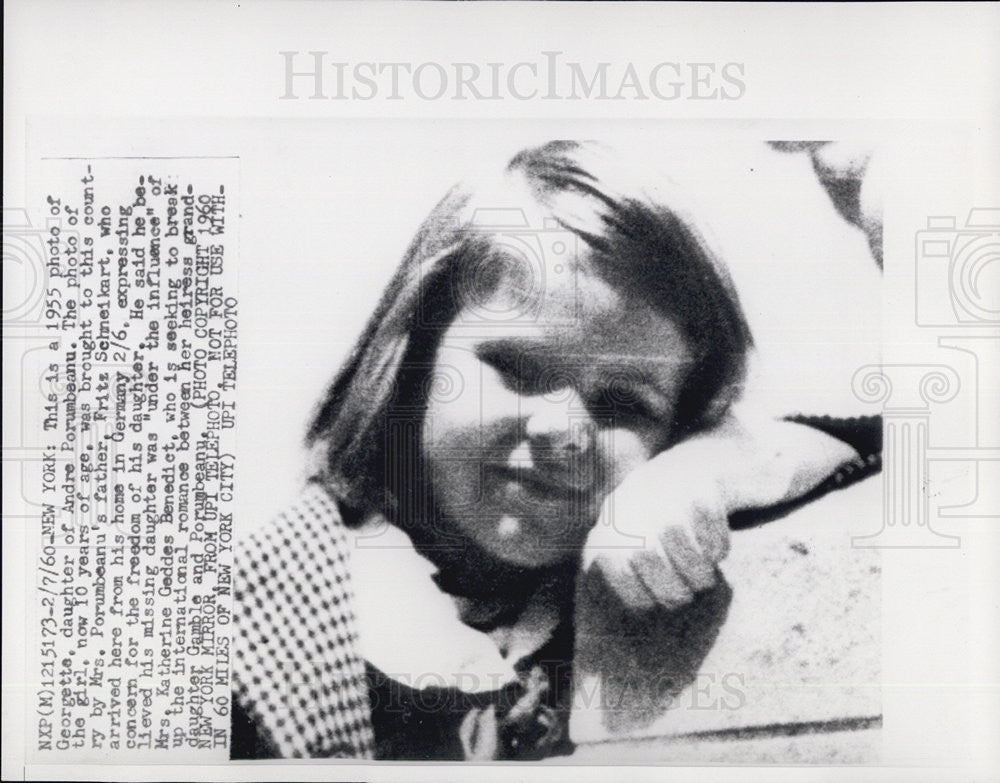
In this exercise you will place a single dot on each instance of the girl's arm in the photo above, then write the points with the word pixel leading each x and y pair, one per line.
pixel 769 461
pixel 666 526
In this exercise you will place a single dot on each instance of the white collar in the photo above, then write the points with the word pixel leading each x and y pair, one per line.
pixel 412 631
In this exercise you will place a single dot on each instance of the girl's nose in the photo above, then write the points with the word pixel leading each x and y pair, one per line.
pixel 558 424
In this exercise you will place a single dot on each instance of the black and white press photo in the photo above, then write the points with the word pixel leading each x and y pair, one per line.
pixel 404 391
pixel 575 485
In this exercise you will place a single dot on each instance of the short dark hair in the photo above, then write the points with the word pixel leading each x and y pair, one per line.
pixel 365 433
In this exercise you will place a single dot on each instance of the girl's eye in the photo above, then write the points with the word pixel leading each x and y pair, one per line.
pixel 519 372
pixel 635 411
pixel 623 407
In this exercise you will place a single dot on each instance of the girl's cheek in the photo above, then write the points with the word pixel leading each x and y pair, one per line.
pixel 478 417
pixel 623 451
pixel 496 403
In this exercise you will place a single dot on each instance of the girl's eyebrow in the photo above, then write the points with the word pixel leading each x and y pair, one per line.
pixel 639 372
pixel 643 372
pixel 491 347
pixel 643 385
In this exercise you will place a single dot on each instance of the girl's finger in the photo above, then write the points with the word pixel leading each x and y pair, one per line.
pixel 660 578
pixel 623 581
pixel 690 563
pixel 711 532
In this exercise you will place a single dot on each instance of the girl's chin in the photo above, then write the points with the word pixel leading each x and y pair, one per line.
pixel 532 542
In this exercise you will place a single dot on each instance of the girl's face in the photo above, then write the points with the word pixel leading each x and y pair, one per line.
pixel 539 406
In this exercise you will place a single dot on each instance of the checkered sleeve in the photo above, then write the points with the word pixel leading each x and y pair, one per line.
pixel 297 673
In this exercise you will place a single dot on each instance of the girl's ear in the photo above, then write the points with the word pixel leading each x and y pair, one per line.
pixel 728 397
pixel 722 403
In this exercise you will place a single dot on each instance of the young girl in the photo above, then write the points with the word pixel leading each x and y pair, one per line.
pixel 550 386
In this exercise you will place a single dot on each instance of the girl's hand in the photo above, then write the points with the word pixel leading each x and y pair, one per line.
pixel 664 529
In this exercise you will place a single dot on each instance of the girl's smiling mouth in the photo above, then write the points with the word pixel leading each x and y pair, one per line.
pixel 536 484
